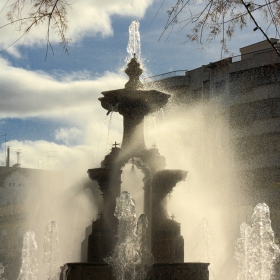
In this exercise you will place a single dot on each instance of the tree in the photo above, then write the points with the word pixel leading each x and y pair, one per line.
pixel 221 18
pixel 52 13
pixel 213 17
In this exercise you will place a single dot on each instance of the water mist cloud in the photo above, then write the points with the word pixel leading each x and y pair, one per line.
pixel 196 139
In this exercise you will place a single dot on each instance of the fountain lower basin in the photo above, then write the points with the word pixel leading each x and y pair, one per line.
pixel 159 271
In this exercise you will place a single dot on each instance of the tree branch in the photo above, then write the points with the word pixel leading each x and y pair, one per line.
pixel 258 27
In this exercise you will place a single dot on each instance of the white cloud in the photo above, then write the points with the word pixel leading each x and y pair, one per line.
pixel 86 17
pixel 67 135
pixel 26 93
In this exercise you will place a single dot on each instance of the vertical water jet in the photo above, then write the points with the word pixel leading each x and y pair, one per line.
pixel 51 251
pixel 256 251
pixel 29 266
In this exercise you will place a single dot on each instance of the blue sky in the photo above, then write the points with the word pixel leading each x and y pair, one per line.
pixel 54 101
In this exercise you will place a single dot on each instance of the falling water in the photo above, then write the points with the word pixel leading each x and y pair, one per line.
pixel 162 112
pixel 98 144
pixel 131 257
pixel 109 125
pixel 243 251
pixel 142 247
pixel 203 250
pixel 74 228
pixel 204 245
pixel 134 44
pixel 155 127
pixel 29 266
pixel 51 251
pixel 256 251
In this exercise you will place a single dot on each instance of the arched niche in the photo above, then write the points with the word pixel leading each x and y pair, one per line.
pixel 133 181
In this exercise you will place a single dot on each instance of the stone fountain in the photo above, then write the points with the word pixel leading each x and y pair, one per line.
pixel 165 240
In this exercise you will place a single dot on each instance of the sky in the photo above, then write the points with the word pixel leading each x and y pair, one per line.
pixel 51 104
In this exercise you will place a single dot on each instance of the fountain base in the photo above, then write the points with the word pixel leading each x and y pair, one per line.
pixel 159 271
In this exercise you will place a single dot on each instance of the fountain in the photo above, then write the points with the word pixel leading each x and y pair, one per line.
pixel 256 251
pixel 163 238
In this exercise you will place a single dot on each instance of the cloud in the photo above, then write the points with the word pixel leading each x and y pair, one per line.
pixel 26 94
pixel 67 135
pixel 86 18
pixel 49 155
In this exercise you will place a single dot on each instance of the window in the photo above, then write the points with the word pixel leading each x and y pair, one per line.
pixel 19 237
pixel 263 111
pixel 4 238
pixel 220 84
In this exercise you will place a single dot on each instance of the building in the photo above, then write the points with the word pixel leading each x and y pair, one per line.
pixel 19 188
pixel 247 89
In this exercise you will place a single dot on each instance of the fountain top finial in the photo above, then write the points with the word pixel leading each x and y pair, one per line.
pixel 133 71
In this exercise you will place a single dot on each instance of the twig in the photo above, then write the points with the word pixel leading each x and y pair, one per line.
pixel 258 27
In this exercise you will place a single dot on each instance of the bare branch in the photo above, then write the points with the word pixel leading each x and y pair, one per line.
pixel 210 19
pixel 52 13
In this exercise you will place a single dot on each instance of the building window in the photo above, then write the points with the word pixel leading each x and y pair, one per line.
pixel 220 84
pixel 4 237
pixel 19 238
pixel 263 111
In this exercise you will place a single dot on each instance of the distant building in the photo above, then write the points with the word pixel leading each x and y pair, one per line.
pixel 15 195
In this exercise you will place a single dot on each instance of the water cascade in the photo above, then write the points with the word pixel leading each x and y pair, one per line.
pixel 29 266
pixel 203 250
pixel 51 251
pixel 142 247
pixel 256 251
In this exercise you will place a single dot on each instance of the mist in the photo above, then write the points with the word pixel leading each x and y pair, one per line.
pixel 196 138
